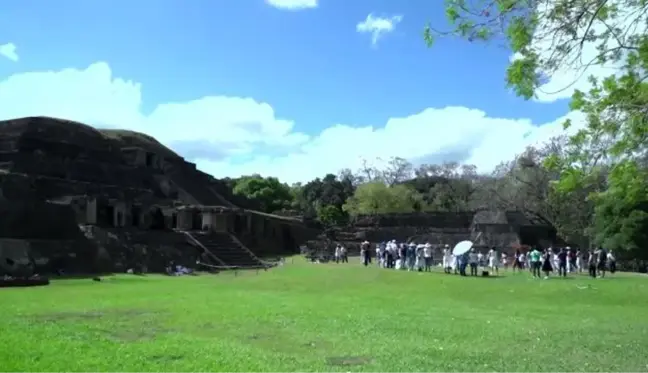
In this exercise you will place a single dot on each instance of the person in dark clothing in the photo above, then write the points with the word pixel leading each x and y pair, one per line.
pixel 601 261
pixel 591 263
pixel 547 268
pixel 390 259
pixel 462 262
pixel 571 257
pixel 365 252
pixel 562 263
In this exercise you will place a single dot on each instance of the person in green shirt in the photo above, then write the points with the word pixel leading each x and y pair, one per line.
pixel 535 256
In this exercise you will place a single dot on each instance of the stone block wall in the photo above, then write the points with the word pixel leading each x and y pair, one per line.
pixel 37 220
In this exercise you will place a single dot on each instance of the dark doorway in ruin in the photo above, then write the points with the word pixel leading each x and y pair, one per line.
pixel 528 236
pixel 288 239
pixel 135 216
pixel 238 223
pixel 174 220
pixel 196 221
pixel 149 159
pixel 106 216
pixel 157 219
pixel 120 219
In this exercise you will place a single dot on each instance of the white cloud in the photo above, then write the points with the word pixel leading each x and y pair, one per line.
pixel 243 136
pixel 573 75
pixel 378 26
pixel 9 51
pixel 293 4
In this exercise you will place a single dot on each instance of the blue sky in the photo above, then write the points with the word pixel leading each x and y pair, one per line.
pixel 307 75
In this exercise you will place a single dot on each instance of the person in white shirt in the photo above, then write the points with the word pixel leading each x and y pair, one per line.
pixel 505 261
pixel 447 259
pixel 522 261
pixel 343 255
pixel 611 261
pixel 480 258
pixel 427 254
pixel 494 260
pixel 420 260
pixel 338 250
pixel 473 261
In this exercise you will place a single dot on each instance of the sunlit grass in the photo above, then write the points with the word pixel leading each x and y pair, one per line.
pixel 306 317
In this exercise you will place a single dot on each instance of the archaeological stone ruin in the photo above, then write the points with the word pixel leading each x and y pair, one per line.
pixel 75 199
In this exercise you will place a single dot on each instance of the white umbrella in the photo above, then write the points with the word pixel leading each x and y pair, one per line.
pixel 462 247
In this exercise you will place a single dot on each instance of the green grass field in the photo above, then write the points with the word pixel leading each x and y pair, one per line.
pixel 327 317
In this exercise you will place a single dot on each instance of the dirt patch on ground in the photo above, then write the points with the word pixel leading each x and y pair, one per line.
pixel 90 315
pixel 129 334
pixel 166 358
pixel 344 361
pixel 119 325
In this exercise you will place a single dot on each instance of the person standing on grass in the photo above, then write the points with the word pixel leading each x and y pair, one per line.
pixel 447 259
pixel 611 262
pixel 365 253
pixel 601 262
pixel 516 260
pixel 402 252
pixel 591 263
pixel 344 254
pixel 391 255
pixel 337 253
pixel 562 263
pixel 462 263
pixel 411 256
pixel 420 259
pixel 494 260
pixel 427 255
pixel 536 257
pixel 579 261
pixel 571 260
pixel 473 259
pixel 547 264
pixel 505 262
pixel 555 259
pixel 480 259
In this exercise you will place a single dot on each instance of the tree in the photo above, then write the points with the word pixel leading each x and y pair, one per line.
pixel 322 195
pixel 447 187
pixel 379 198
pixel 397 170
pixel 551 35
pixel 271 194
pixel 331 216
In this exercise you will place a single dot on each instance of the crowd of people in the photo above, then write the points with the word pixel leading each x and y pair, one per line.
pixel 565 260
pixel 541 263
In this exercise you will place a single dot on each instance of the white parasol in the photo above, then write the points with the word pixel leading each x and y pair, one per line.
pixel 462 247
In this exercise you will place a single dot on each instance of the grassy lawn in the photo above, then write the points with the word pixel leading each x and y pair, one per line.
pixel 306 317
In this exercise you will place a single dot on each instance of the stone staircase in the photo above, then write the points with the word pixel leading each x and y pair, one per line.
pixel 228 249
